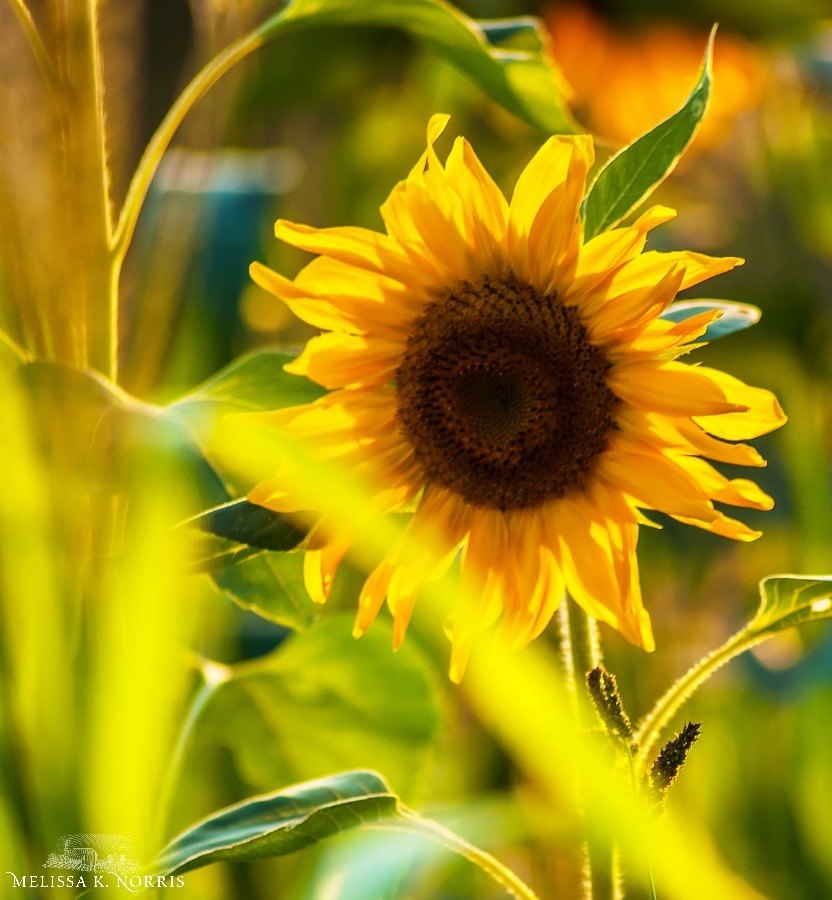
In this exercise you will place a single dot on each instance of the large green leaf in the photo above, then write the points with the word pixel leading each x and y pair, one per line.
pixel 785 601
pixel 323 702
pixel 281 823
pixel 506 58
pixel 735 316
pixel 632 174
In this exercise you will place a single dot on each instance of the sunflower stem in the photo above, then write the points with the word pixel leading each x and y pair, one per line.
pixel 581 652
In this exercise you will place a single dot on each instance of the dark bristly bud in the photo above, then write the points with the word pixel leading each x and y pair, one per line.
pixel 603 691
pixel 671 759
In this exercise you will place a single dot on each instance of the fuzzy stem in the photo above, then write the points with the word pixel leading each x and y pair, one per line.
pixel 581 652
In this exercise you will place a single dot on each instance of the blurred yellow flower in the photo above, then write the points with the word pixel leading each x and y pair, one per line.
pixel 627 80
pixel 517 387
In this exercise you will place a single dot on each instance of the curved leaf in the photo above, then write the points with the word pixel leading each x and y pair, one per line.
pixel 281 823
pixel 785 601
pixel 521 77
pixel 633 173
pixel 735 316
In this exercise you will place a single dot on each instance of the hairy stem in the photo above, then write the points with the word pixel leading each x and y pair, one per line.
pixel 581 651
pixel 649 729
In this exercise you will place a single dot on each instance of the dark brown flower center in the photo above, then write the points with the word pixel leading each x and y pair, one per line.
pixel 502 396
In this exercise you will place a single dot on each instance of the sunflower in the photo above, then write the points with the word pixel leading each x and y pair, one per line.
pixel 515 389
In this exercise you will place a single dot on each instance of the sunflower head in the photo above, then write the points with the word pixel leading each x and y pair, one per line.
pixel 515 390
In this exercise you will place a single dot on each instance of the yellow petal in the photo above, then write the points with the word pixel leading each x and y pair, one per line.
pixel 763 411
pixel 358 247
pixel 484 208
pixel 671 388
pixel 723 526
pixel 699 440
pixel 626 312
pixel 736 491
pixel 547 170
pixel 656 481
pixel 652 266
pixel 372 597
pixel 338 360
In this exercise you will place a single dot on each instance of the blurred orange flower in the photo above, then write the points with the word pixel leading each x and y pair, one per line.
pixel 627 80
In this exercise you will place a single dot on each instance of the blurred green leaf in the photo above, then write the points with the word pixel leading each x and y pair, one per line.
pixel 268 584
pixel 523 80
pixel 735 316
pixel 281 823
pixel 323 702
pixel 630 176
pixel 251 383
pixel 112 436
pixel 246 523
pixel 11 354
pixel 785 601
pixel 271 586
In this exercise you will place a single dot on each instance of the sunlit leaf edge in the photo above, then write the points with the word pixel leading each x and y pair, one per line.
pixel 621 186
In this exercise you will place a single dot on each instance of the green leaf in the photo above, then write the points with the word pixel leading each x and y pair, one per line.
pixel 269 585
pixel 630 176
pixel 323 702
pixel 523 80
pixel 785 601
pixel 296 817
pixel 735 316
pixel 242 522
pixel 112 436
pixel 252 383
pixel 281 823
pixel 789 600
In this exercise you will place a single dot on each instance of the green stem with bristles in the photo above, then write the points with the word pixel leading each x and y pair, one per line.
pixel 581 652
